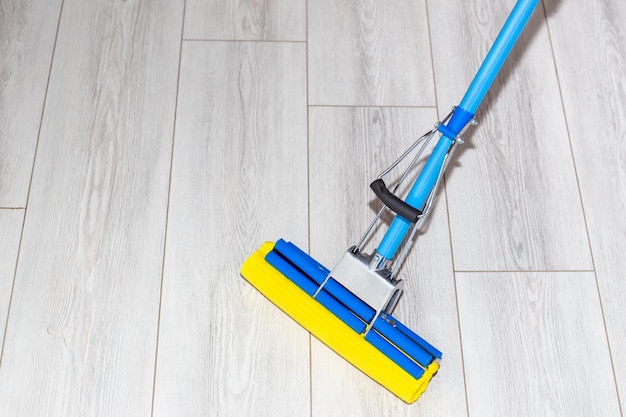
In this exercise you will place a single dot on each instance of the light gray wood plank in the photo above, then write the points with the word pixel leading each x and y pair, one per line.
pixel 278 20
pixel 10 231
pixel 349 147
pixel 513 195
pixel 239 179
pixel 534 345
pixel 592 73
pixel 81 339
pixel 27 32
pixel 369 53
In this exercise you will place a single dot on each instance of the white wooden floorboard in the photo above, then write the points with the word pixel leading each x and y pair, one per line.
pixel 277 20
pixel 534 345
pixel 10 232
pixel 538 188
pixel 81 338
pixel 27 33
pixel 239 179
pixel 369 53
pixel 513 196
pixel 349 147
pixel 592 74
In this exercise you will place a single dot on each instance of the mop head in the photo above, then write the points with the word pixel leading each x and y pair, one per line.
pixel 389 352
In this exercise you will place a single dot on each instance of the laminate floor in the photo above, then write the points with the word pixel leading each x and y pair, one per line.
pixel 147 148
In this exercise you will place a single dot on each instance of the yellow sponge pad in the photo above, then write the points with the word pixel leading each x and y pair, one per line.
pixel 331 330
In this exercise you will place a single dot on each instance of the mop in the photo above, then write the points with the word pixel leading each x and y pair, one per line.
pixel 349 307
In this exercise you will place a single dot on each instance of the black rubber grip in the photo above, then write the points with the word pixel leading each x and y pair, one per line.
pixel 396 204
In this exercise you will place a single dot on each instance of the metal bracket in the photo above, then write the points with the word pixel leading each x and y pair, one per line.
pixel 375 287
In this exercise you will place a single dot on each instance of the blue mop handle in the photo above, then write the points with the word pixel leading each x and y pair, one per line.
pixel 461 116
pixel 497 54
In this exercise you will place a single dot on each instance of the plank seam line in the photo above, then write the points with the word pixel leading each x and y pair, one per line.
pixel 30 183
pixel 308 184
pixel 582 207
pixel 445 195
pixel 167 215
pixel 244 40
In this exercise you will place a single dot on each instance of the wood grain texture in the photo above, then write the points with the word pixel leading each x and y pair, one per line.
pixel 592 73
pixel 27 32
pixel 239 179
pixel 10 231
pixel 534 344
pixel 81 339
pixel 278 20
pixel 369 53
pixel 99 255
pixel 513 196
pixel 349 147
